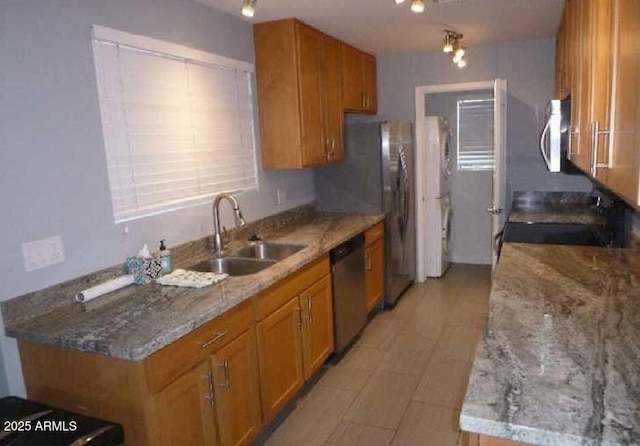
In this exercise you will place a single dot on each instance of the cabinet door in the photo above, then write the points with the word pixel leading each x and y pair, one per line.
pixel 374 272
pixel 333 99
pixel 237 390
pixel 574 59
pixel 625 119
pixel 309 50
pixel 602 25
pixel 562 84
pixel 185 412
pixel 317 333
pixel 369 80
pixel 582 157
pixel 280 357
pixel 352 88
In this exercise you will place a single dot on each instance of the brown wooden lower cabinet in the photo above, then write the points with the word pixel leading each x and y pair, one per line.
pixel 209 397
pixel 295 339
pixel 183 414
pixel 279 353
pixel 374 272
pixel 236 390
pixel 218 385
pixel 317 326
pixel 374 264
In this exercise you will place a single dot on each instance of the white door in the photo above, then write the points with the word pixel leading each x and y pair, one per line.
pixel 500 162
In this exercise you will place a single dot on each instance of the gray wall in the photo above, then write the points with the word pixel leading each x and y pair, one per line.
pixel 528 67
pixel 53 177
pixel 471 191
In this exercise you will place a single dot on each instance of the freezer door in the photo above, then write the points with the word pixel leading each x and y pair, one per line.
pixel 400 222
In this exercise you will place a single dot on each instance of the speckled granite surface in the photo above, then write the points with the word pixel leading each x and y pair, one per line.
pixel 559 360
pixel 141 320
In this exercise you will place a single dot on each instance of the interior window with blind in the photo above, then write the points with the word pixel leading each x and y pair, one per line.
pixel 177 123
pixel 475 134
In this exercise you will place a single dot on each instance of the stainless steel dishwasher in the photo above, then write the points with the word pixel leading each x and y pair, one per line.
pixel 349 300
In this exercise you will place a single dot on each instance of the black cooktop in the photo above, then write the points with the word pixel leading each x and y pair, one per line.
pixel 553 233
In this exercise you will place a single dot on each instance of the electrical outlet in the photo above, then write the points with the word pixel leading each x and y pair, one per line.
pixel 42 253
pixel 281 196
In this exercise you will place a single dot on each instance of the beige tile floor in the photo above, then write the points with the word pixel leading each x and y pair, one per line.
pixel 404 381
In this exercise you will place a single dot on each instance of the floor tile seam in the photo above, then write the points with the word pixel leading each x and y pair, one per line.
pixel 343 412
pixel 423 368
pixel 326 442
pixel 436 405
pixel 437 352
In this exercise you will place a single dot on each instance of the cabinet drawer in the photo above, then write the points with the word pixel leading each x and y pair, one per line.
pixel 373 233
pixel 273 298
pixel 164 366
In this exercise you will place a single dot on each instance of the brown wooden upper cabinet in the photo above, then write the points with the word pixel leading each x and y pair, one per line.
pixel 358 80
pixel 299 76
pixel 602 59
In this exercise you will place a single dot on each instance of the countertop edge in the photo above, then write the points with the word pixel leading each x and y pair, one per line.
pixel 515 432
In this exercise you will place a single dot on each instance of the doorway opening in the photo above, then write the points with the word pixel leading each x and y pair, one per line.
pixel 471 185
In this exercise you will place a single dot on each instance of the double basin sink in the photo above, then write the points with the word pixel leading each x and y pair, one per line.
pixel 250 259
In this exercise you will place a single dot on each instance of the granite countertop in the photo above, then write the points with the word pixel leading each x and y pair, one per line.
pixel 559 360
pixel 142 320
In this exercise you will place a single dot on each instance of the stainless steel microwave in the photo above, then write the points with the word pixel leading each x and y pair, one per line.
pixel 554 139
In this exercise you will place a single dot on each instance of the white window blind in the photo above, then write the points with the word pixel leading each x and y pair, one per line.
pixel 177 123
pixel 475 134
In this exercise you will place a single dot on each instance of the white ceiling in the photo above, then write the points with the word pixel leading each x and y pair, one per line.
pixel 382 27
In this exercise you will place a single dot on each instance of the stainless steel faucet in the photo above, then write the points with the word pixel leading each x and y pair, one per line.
pixel 240 221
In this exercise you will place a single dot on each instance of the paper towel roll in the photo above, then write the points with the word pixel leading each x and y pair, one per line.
pixel 104 288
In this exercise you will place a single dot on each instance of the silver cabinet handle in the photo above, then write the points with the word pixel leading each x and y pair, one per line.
pixel 218 336
pixel 494 210
pixel 364 100
pixel 570 152
pixel 368 265
pixel 310 308
pixel 211 397
pixel 226 384
pixel 595 133
pixel 327 149
pixel 299 311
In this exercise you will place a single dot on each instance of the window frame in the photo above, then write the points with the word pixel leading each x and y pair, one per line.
pixel 471 168
pixel 144 44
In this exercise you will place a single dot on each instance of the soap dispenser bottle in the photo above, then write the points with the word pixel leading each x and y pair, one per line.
pixel 165 257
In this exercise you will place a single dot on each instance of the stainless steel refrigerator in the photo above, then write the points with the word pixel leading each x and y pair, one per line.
pixel 377 176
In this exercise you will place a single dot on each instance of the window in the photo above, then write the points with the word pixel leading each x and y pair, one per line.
pixel 475 134
pixel 177 123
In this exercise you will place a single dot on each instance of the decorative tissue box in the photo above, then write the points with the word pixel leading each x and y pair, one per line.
pixel 144 270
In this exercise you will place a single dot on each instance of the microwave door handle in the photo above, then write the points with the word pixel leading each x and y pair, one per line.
pixel 544 153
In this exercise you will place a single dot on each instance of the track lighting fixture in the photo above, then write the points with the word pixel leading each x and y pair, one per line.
pixel 447 46
pixel 249 8
pixel 417 6
pixel 451 45
pixel 399 2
